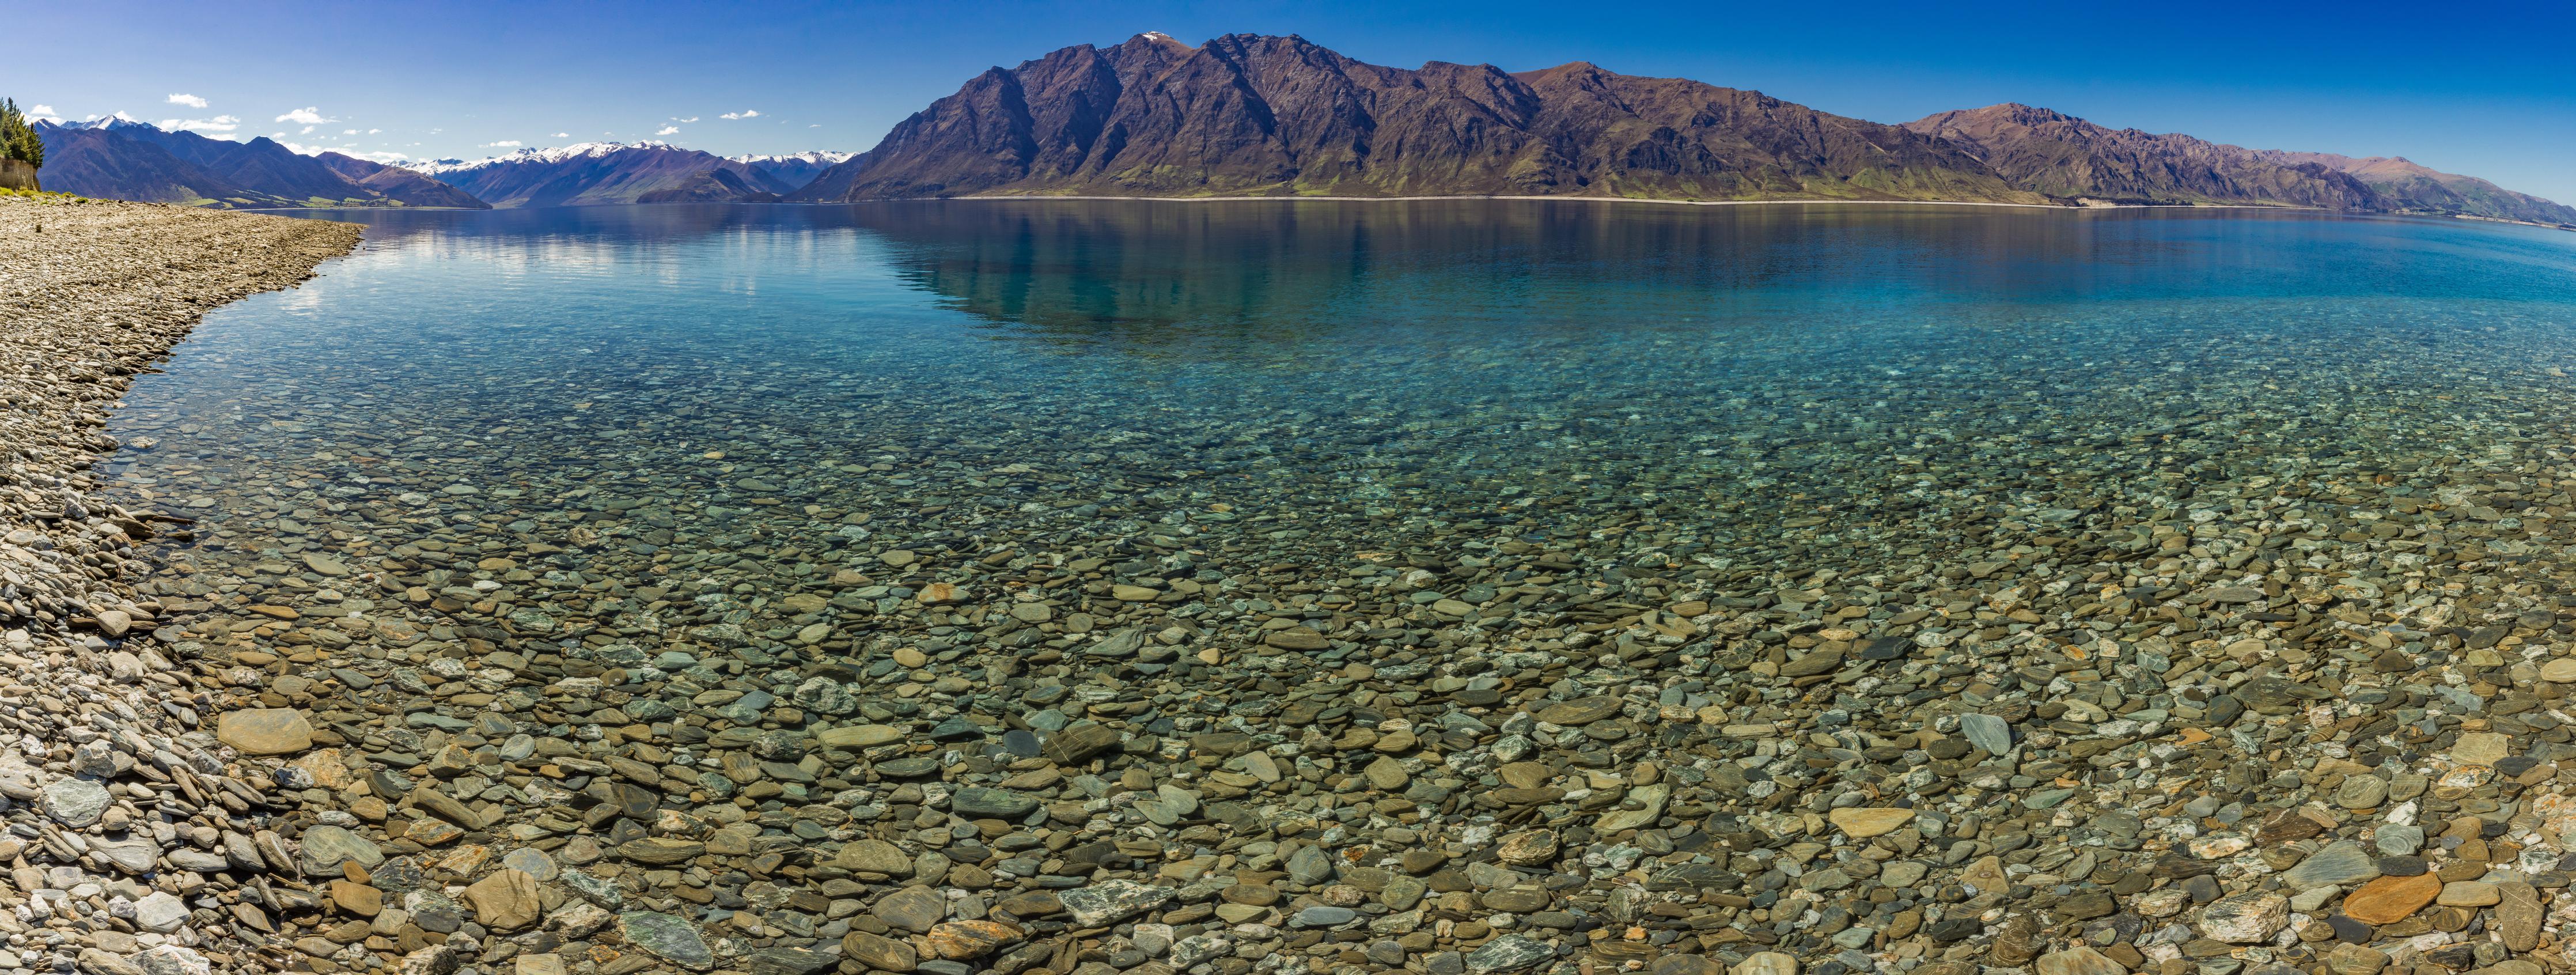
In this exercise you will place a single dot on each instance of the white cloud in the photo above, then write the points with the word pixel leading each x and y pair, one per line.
pixel 306 116
pixel 745 113
pixel 219 123
pixel 41 110
pixel 382 157
pixel 560 135
pixel 191 101
pixel 301 149
pixel 308 130
pixel 503 144
pixel 373 131
pixel 348 131
pixel 691 118
pixel 667 130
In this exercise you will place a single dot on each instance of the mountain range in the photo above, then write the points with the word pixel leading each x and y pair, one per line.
pixel 137 161
pixel 595 173
pixel 1252 115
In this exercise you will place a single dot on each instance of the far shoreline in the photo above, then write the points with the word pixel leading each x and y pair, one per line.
pixel 1512 198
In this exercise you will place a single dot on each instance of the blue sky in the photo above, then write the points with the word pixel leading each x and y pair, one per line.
pixel 2485 89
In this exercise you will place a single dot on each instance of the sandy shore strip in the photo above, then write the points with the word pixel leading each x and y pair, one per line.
pixel 138 841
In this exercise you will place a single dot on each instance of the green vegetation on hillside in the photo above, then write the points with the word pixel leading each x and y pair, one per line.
pixel 18 140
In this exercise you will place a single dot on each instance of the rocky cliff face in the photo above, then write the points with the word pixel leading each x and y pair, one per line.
pixel 1255 115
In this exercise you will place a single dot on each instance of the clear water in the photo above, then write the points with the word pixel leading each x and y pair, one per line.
pixel 777 393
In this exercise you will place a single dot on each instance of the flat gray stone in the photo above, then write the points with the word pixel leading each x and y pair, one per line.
pixel 2341 862
pixel 994 803
pixel 1111 901
pixel 1511 952
pixel 1987 732
pixel 667 937
pixel 76 803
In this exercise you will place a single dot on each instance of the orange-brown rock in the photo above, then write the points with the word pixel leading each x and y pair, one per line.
pixel 2388 900
pixel 962 940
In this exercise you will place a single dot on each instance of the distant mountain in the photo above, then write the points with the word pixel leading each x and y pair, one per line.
pixel 98 162
pixel 2411 186
pixel 2064 156
pixel 2068 157
pixel 794 170
pixel 398 183
pixel 710 186
pixel 589 174
pixel 117 159
pixel 1253 115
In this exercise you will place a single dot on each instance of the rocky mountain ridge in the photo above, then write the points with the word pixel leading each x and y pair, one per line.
pixel 1281 116
pixel 2069 157
pixel 1253 115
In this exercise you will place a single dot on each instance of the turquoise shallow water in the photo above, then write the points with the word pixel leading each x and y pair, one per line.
pixel 788 389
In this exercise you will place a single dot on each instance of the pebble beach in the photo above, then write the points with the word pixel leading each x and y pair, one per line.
pixel 137 840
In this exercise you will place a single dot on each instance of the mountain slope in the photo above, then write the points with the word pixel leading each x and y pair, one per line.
pixel 124 160
pixel 1253 115
pixel 710 186
pixel 259 165
pixel 587 174
pixel 2413 186
pixel 103 162
pixel 397 183
pixel 2065 156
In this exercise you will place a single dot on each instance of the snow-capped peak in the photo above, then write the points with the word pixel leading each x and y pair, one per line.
pixel 116 121
pixel 820 157
pixel 555 154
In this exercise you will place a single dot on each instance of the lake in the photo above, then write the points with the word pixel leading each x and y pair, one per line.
pixel 1692 579
pixel 1772 389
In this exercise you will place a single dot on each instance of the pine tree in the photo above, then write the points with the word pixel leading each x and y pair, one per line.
pixel 17 139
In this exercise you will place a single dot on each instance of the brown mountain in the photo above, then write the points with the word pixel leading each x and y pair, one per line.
pixel 1253 115
pixel 2408 185
pixel 1249 115
pixel 2065 156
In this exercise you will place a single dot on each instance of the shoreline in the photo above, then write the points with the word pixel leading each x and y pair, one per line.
pixel 153 799
pixel 2118 207
pixel 1593 199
